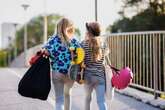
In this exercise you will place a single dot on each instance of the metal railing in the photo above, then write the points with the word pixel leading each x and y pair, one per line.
pixel 144 53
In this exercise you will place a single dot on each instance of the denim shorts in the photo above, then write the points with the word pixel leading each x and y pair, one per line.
pixel 94 76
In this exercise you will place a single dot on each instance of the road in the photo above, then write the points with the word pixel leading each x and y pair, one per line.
pixel 11 100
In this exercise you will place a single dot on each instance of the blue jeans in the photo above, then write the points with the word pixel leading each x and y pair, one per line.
pixel 62 86
pixel 100 95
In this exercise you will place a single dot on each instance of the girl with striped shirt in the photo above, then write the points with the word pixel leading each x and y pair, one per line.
pixel 94 72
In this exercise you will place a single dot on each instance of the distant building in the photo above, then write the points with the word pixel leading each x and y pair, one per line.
pixel 7 34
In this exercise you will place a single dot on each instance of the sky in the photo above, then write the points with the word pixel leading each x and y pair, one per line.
pixel 79 11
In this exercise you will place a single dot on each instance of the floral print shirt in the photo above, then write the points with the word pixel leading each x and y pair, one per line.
pixel 60 55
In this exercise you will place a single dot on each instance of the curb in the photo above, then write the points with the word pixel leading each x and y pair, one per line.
pixel 143 97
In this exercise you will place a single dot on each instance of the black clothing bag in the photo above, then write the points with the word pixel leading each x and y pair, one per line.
pixel 36 82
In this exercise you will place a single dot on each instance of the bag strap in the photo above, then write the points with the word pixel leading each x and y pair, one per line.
pixel 106 58
pixel 108 62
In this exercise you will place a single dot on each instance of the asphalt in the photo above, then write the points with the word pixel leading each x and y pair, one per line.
pixel 11 100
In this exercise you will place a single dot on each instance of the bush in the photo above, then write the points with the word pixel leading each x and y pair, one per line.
pixel 147 20
pixel 3 58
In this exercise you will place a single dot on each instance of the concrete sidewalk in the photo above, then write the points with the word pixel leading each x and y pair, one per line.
pixel 11 100
pixel 144 97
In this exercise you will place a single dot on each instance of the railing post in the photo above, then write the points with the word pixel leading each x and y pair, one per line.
pixel 151 60
pixel 147 60
pixel 155 65
pixel 143 60
pixel 164 60
pixel 140 59
pixel 137 59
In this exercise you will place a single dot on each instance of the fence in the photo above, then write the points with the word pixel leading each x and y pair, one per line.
pixel 144 53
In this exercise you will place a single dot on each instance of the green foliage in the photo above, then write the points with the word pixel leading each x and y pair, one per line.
pixel 121 25
pixel 35 29
pixel 19 40
pixel 3 58
pixel 78 33
pixel 157 5
pixel 147 20
pixel 131 2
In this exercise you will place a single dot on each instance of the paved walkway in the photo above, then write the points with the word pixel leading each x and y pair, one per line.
pixel 11 100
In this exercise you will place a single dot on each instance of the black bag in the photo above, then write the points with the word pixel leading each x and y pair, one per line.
pixel 36 82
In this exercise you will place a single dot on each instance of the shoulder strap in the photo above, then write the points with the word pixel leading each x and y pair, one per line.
pixel 106 59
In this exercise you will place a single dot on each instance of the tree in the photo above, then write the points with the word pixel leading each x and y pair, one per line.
pixel 157 5
pixel 151 18
pixel 35 30
pixel 78 34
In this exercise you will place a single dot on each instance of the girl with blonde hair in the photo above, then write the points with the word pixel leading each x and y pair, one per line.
pixel 60 56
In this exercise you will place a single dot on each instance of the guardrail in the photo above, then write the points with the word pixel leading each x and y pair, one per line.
pixel 144 53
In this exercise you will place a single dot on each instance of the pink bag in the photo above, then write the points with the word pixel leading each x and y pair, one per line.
pixel 121 78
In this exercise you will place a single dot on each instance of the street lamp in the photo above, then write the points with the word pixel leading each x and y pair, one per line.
pixel 95 10
pixel 15 42
pixel 45 23
pixel 25 7
pixel 9 49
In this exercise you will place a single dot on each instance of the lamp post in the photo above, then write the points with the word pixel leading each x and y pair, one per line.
pixel 45 28
pixel 9 49
pixel 45 23
pixel 96 10
pixel 15 41
pixel 25 7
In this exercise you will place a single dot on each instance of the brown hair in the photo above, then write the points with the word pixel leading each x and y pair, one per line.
pixel 61 28
pixel 94 31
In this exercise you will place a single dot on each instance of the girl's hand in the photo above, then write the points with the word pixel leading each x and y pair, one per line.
pixel 107 51
pixel 45 53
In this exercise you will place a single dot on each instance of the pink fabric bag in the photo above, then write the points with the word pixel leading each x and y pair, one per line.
pixel 121 78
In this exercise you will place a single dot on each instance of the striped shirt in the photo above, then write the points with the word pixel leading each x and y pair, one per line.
pixel 94 68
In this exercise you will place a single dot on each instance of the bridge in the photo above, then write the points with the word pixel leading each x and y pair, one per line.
pixel 143 52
